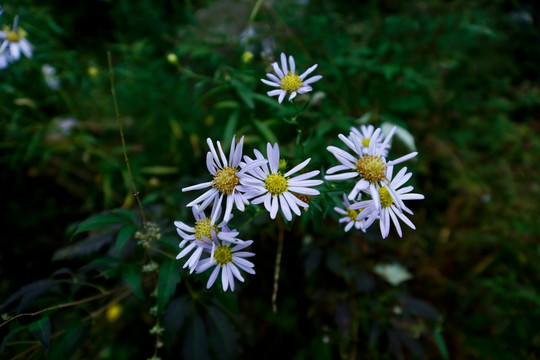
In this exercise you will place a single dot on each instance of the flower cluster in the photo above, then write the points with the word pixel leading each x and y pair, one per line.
pixel 236 182
pixel 13 42
pixel 373 173
pixel 287 81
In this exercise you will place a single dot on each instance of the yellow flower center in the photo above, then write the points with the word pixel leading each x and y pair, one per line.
pixel 223 255
pixel 372 168
pixel 386 198
pixel 12 36
pixel 353 214
pixel 291 83
pixel 276 184
pixel 225 180
pixel 365 142
pixel 203 227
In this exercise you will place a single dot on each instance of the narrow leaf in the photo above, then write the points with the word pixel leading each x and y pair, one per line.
pixel 98 221
pixel 132 278
pixel 169 277
pixel 41 329
pixel 124 235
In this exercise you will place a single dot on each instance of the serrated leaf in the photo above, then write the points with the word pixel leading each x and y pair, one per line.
pixel 123 236
pixel 41 329
pixel 132 278
pixel 169 277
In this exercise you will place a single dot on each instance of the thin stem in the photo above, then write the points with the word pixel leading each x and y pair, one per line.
pixel 278 262
pixel 254 12
pixel 90 316
pixel 61 306
pixel 117 112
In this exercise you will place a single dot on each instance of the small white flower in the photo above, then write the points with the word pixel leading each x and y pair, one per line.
pixel 287 81
pixel 365 134
pixel 267 185
pixel 226 177
pixel 227 260
pixel 350 218
pixel 389 206
pixel 369 165
pixel 200 237
pixel 13 44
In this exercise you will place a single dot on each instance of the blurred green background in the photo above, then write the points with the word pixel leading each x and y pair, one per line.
pixel 460 76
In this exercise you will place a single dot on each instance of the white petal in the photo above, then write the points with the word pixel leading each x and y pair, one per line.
pixel 274 208
pixel 271 83
pixel 277 70
pixel 282 96
pixel 285 207
pixel 297 167
pixel 312 79
pixel 307 72
pixel 198 186
pixel 292 65
pixel 284 64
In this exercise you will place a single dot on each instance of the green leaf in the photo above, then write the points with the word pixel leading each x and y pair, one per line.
pixel 265 131
pixel 230 128
pixel 11 334
pixel 123 236
pixel 159 170
pixel 440 343
pixel 41 329
pixel 169 277
pixel 244 93
pixel 132 278
pixel 126 214
pixel 98 221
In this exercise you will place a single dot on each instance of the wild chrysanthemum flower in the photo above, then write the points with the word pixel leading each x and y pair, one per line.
pixel 14 43
pixel 390 206
pixel 369 165
pixel 227 260
pixel 267 185
pixel 365 134
pixel 350 218
pixel 226 178
pixel 287 81
pixel 200 235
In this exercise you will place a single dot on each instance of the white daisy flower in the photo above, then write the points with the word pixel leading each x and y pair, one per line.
pixel 350 215
pixel 229 260
pixel 391 206
pixel 267 185
pixel 370 166
pixel 287 81
pixel 365 134
pixel 14 43
pixel 200 237
pixel 226 177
